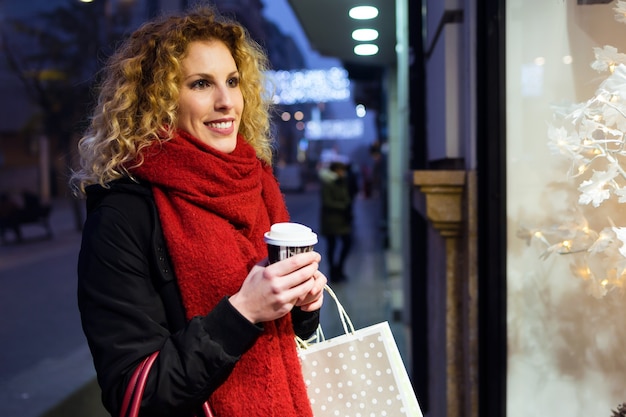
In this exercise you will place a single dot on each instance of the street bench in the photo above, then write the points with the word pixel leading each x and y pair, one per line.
pixel 14 217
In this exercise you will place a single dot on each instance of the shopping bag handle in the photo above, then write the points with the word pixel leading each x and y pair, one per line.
pixel 318 336
pixel 348 327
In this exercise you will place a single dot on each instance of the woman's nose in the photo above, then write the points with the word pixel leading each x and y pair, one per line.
pixel 224 98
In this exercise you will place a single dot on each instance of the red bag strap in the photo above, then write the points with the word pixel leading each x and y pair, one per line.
pixel 130 389
pixel 141 385
pixel 206 408
pixel 137 385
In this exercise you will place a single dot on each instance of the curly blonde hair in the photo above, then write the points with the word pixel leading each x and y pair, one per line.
pixel 138 97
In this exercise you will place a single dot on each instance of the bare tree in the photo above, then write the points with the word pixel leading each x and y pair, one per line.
pixel 57 55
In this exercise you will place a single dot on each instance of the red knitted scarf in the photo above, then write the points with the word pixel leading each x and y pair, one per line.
pixel 214 208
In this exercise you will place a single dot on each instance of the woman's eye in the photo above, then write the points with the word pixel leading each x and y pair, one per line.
pixel 199 84
pixel 233 82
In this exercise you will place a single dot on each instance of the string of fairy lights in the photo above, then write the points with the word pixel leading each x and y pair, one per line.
pixel 591 137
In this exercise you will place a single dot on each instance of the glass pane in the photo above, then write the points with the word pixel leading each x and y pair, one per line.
pixel 566 177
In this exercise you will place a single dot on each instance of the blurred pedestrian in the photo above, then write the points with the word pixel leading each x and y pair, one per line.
pixel 377 170
pixel 9 217
pixel 336 216
pixel 176 168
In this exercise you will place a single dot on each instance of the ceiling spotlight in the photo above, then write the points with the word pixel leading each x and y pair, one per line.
pixel 366 49
pixel 363 12
pixel 365 35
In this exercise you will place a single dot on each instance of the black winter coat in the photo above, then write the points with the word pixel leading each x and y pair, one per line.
pixel 130 306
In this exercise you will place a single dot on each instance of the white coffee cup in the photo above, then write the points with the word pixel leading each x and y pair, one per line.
pixel 287 239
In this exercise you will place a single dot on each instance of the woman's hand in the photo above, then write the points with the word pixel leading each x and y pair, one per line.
pixel 270 292
pixel 314 299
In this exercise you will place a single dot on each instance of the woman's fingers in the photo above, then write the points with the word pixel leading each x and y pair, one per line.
pixel 313 306
pixel 314 297
pixel 294 263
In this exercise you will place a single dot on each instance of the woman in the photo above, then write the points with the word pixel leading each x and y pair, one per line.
pixel 176 171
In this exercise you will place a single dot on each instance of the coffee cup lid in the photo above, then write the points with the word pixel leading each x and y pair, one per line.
pixel 290 234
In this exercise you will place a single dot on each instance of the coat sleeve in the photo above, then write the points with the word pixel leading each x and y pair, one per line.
pixel 304 323
pixel 124 320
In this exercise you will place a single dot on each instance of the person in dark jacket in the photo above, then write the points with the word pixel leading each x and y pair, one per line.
pixel 337 193
pixel 176 170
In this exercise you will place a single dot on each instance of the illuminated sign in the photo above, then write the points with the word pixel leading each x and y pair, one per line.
pixel 309 86
pixel 334 129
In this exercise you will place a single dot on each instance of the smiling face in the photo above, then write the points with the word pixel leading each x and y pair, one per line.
pixel 210 102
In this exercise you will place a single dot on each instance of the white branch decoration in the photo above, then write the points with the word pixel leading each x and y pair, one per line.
pixel 591 136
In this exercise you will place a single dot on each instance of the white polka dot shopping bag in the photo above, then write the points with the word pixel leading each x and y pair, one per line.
pixel 358 374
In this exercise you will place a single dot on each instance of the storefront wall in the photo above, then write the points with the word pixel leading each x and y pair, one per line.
pixel 565 322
